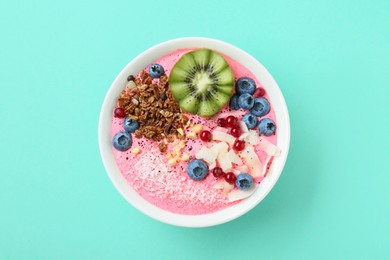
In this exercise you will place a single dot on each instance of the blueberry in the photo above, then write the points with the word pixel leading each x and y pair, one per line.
pixel 261 107
pixel 156 70
pixel 246 101
pixel 244 181
pixel 245 85
pixel 197 170
pixel 267 127
pixel 234 103
pixel 130 125
pixel 250 120
pixel 122 141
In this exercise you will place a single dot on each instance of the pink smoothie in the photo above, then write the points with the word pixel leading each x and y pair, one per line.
pixel 169 187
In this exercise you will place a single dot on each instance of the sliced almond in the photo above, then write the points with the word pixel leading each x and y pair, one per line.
pixel 180 131
pixel 196 128
pixel 185 157
pixel 172 162
pixel 182 143
pixel 191 135
pixel 136 150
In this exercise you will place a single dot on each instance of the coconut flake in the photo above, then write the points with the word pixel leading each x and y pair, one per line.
pixel 220 147
pixel 219 185
pixel 252 161
pixel 212 165
pixel 236 172
pixel 224 186
pixel 240 194
pixel 221 129
pixel 234 158
pixel 269 147
pixel 206 154
pixel 243 136
pixel 227 187
pixel 242 168
pixel 253 138
pixel 244 127
pixel 221 136
pixel 224 162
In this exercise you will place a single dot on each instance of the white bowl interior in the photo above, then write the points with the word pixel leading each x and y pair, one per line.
pixel 140 62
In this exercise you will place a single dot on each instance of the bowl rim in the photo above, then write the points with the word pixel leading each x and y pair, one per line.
pixel 140 62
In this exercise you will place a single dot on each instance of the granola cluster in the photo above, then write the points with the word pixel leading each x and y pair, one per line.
pixel 153 106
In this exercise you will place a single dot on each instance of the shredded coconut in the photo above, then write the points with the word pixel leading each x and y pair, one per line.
pixel 154 179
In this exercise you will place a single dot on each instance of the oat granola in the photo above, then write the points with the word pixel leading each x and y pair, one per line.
pixel 153 106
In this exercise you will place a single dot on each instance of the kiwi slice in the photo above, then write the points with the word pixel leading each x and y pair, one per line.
pixel 201 82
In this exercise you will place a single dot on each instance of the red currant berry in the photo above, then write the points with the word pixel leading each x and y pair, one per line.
pixel 230 178
pixel 221 122
pixel 235 131
pixel 119 112
pixel 205 136
pixel 239 145
pixel 259 92
pixel 217 172
pixel 231 121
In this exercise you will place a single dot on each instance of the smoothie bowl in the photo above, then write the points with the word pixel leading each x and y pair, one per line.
pixel 194 132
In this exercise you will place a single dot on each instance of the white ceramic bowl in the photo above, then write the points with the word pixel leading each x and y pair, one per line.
pixel 230 213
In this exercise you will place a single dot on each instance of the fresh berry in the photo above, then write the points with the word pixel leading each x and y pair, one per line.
pixel 221 122
pixel 234 103
pixel 261 107
pixel 119 112
pixel 130 125
pixel 250 120
pixel 245 85
pixel 156 70
pixel 235 131
pixel 205 136
pixel 230 178
pixel 259 92
pixel 244 181
pixel 217 172
pixel 267 127
pixel 239 145
pixel 197 170
pixel 246 101
pixel 122 141
pixel 232 121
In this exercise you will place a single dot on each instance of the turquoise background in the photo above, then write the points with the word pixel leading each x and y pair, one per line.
pixel 331 60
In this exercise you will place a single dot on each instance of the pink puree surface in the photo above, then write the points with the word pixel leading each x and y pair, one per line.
pixel 169 187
